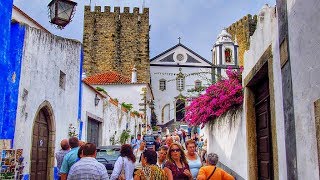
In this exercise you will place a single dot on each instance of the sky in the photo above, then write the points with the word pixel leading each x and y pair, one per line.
pixel 197 22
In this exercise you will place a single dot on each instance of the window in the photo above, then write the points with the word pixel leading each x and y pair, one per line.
pixel 180 83
pixel 162 84
pixel 62 80
pixel 228 55
pixel 197 84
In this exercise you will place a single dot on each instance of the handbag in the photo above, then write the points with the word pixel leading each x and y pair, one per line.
pixel 212 173
pixel 122 175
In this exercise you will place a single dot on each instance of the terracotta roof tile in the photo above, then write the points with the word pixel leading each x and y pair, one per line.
pixel 109 77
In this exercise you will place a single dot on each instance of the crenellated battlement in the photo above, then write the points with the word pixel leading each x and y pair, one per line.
pixel 242 30
pixel 245 21
pixel 117 10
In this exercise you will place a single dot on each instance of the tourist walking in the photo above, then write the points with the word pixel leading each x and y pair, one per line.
pixel 194 160
pixel 211 172
pixel 124 166
pixel 137 153
pixel 200 145
pixel 162 156
pixel 204 151
pixel 65 148
pixel 184 135
pixel 177 167
pixel 157 143
pixel 88 167
pixel 70 158
pixel 135 143
pixel 169 141
pixel 149 171
pixel 167 131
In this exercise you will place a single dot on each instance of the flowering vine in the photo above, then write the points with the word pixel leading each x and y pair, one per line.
pixel 72 132
pixel 218 98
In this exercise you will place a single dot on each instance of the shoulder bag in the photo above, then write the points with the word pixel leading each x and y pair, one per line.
pixel 122 173
pixel 212 173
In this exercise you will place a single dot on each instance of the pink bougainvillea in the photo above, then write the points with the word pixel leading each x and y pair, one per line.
pixel 218 99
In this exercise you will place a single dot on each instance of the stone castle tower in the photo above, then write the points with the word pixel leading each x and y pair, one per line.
pixel 117 41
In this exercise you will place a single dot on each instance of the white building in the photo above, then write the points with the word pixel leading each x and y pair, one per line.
pixel 104 119
pixel 179 73
pixel 125 90
pixel 281 93
pixel 48 98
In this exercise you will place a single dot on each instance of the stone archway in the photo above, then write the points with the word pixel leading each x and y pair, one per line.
pixel 43 143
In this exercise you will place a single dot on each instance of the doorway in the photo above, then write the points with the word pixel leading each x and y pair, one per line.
pixel 263 130
pixel 93 131
pixel 40 144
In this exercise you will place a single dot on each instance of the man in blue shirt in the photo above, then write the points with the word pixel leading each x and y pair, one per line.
pixel 135 143
pixel 70 158
pixel 65 148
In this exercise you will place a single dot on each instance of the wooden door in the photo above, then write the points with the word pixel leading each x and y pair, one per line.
pixel 93 131
pixel 39 151
pixel 263 130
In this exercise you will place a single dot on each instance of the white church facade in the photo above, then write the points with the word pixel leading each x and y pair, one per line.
pixel 180 73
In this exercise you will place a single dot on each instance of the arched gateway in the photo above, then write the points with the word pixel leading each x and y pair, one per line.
pixel 43 138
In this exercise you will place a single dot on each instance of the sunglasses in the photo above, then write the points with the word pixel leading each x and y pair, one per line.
pixel 175 150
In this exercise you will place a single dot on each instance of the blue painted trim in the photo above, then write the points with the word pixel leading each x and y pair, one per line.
pixel 26 177
pixel 80 129
pixel 5 25
pixel 13 79
pixel 80 96
pixel 55 173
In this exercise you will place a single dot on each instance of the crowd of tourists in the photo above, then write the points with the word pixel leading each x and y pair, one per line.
pixel 175 158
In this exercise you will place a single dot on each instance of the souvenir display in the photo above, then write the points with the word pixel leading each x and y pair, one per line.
pixel 8 164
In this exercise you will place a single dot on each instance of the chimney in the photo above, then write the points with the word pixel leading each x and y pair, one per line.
pixel 83 75
pixel 134 75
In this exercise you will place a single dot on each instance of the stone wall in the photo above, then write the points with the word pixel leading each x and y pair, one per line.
pixel 226 137
pixel 116 41
pixel 242 30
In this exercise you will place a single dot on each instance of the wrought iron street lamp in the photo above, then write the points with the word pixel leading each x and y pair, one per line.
pixel 61 12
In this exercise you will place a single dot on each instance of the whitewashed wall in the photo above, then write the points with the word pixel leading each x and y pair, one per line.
pixel 226 137
pixel 23 18
pixel 43 57
pixel 88 106
pixel 304 38
pixel 265 35
pixel 129 93
pixel 168 96
pixel 114 119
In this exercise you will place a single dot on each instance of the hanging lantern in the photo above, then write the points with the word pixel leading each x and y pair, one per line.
pixel 61 12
